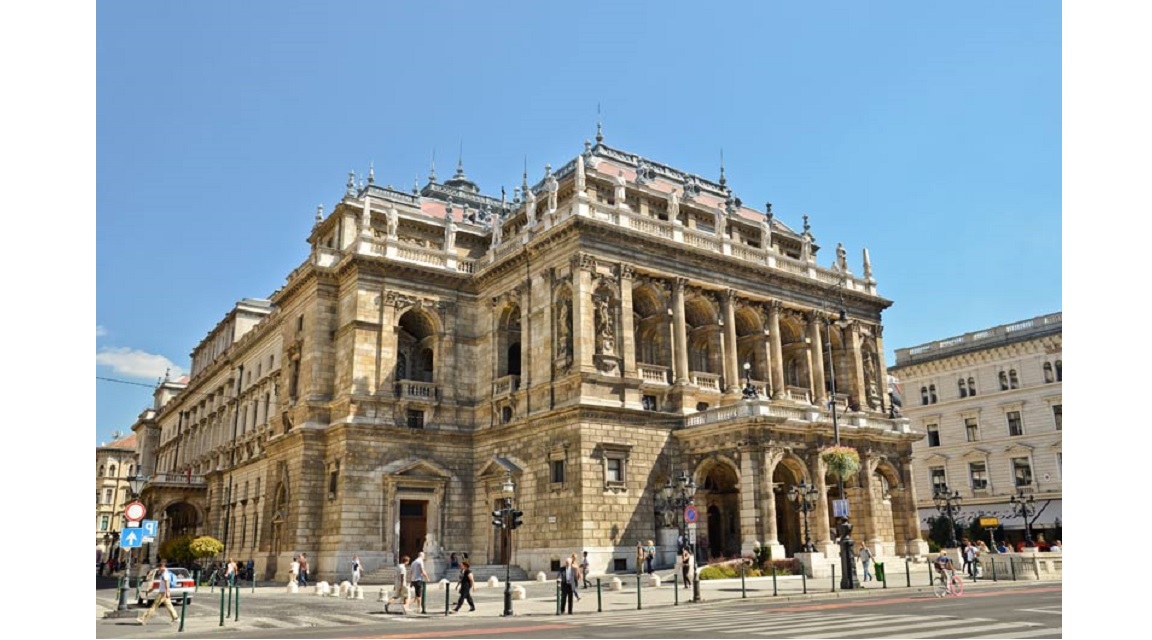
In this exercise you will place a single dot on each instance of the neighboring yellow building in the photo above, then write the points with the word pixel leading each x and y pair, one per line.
pixel 991 405
pixel 115 463
pixel 589 339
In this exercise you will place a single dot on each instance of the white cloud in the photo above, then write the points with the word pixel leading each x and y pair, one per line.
pixel 137 364
pixel 101 331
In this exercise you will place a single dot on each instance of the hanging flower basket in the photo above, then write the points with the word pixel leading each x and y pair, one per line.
pixel 842 462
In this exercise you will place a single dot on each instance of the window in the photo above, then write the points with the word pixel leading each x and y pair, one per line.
pixel 932 393
pixel 415 419
pixel 614 470
pixel 648 402
pixel 937 479
pixel 701 406
pixel 978 473
pixel 971 386
pixel 1022 472
pixel 963 388
pixel 1015 426
pixel 506 415
pixel 107 497
pixel 1013 381
pixel 923 395
pixel 1059 372
pixel 1057 415
pixel 1003 381
pixel 971 428
pixel 1048 375
pixel 557 471
pixel 334 478
pixel 933 435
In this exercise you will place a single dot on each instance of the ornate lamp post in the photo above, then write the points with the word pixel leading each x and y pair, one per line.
pixel 844 529
pixel 803 496
pixel 1024 506
pixel 677 496
pixel 948 503
pixel 135 484
pixel 750 392
pixel 503 519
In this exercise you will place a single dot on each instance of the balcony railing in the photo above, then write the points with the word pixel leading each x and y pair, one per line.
pixel 710 381
pixel 413 390
pixel 504 386
pixel 654 374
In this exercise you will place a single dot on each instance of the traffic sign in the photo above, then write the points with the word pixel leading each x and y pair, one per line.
pixel 989 522
pixel 149 527
pixel 690 514
pixel 131 538
pixel 135 510
pixel 840 508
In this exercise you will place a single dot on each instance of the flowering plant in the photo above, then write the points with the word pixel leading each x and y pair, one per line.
pixel 843 462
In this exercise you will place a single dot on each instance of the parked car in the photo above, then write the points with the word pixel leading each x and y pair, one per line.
pixel 150 586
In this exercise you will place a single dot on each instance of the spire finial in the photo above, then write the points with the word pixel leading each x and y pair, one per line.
pixel 415 185
pixel 807 227
pixel 460 160
pixel 432 172
pixel 371 172
pixel 599 126
pixel 524 184
pixel 319 212
pixel 723 180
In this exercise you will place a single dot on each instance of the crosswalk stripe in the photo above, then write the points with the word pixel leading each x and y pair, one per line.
pixel 899 631
pixel 967 630
pixel 700 619
pixel 1043 631
pixel 844 623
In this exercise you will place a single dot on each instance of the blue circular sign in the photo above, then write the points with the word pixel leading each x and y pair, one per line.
pixel 690 514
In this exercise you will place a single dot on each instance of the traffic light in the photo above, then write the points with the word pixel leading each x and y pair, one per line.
pixel 516 521
pixel 498 519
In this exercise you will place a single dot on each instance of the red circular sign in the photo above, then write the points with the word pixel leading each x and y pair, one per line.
pixel 135 511
pixel 690 514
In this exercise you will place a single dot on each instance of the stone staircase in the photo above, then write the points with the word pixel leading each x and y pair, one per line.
pixel 387 575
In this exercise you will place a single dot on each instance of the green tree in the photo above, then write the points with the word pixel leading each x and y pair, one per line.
pixel 177 550
pixel 205 547
pixel 938 532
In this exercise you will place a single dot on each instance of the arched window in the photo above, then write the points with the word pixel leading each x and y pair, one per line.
pixel 963 389
pixel 971 386
pixel 923 395
pixel 1003 381
pixel 427 365
pixel 932 393
pixel 1059 372
pixel 401 366
pixel 112 470
pixel 1013 381
pixel 1048 375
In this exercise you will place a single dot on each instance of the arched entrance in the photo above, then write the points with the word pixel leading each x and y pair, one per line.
pixel 789 519
pixel 720 496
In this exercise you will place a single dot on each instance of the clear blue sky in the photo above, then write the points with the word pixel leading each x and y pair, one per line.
pixel 926 132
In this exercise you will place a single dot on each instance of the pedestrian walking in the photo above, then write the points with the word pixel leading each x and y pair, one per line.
pixel 866 561
pixel 453 561
pixel 294 571
pixel 303 577
pixel 584 566
pixel 687 567
pixel 567 580
pixel 464 586
pixel 401 591
pixel 164 577
pixel 230 572
pixel 355 570
pixel 649 557
pixel 969 551
pixel 418 575
pixel 579 577
pixel 250 569
pixel 639 558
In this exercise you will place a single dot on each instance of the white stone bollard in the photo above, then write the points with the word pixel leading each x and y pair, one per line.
pixel 293 587
pixel 518 593
pixel 653 580
pixel 321 588
pixel 346 589
pixel 358 591
pixel 541 577
pixel 493 581
pixel 382 598
pixel 614 584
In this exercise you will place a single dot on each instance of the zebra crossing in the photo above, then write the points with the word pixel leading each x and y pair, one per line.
pixel 318 620
pixel 748 623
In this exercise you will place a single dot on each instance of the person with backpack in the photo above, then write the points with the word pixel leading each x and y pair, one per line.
pixel 166 580
pixel 866 561
pixel 355 570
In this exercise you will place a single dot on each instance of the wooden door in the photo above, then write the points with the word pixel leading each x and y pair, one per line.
pixel 413 527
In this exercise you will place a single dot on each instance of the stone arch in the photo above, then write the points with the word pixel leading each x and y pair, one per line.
pixel 650 320
pixel 750 342
pixel 790 524
pixel 508 337
pixel 418 332
pixel 718 501
pixel 794 350
pixel 702 319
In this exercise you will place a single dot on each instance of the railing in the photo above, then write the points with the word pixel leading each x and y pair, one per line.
pixel 654 374
pixel 745 252
pixel 705 380
pixel 417 390
pixel 652 226
pixel 748 409
pixel 784 263
pixel 798 394
pixel 1039 325
pixel 420 254
pixel 181 479
pixel 505 385
pixel 701 240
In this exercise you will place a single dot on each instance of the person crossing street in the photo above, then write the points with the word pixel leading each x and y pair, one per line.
pixel 164 577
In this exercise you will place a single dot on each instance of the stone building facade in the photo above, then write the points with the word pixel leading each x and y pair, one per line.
pixel 590 338
pixel 991 405
pixel 115 463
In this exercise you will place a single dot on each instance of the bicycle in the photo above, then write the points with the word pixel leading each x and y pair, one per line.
pixel 953 585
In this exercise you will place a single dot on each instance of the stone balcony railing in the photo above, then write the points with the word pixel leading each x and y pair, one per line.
pixel 654 374
pixel 710 381
pixel 177 479
pixel 505 385
pixel 762 407
pixel 414 390
pixel 1037 326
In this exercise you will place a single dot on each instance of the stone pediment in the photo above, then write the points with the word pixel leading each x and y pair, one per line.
pixel 977 454
pixel 500 467
pixel 415 467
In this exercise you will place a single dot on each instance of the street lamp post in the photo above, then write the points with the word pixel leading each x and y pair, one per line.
pixel 804 498
pixel 135 484
pixel 844 529
pixel 948 503
pixel 677 496
pixel 750 392
pixel 507 519
pixel 1024 506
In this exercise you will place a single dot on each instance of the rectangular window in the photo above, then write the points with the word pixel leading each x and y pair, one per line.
pixel 1015 426
pixel 333 481
pixel 1022 472
pixel 415 419
pixel 933 435
pixel 971 428
pixel 1057 415
pixel 107 496
pixel 557 471
pixel 978 473
pixel 103 523
pixel 938 480
pixel 648 402
pixel 614 470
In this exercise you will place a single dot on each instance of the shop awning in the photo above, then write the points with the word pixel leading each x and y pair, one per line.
pixel 1046 515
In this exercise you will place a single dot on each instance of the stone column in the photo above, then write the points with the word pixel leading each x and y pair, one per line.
pixel 731 357
pixel 871 529
pixel 777 351
pixel 627 326
pixel 389 343
pixel 583 313
pixel 820 536
pixel 680 332
pixel 526 342
pixel 913 544
pixel 881 369
pixel 771 529
pixel 816 353
pixel 856 366
pixel 747 501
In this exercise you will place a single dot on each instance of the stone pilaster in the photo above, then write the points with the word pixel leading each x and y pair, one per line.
pixel 777 351
pixel 731 364
pixel 816 353
pixel 680 332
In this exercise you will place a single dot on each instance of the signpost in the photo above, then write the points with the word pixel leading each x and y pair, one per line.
pixel 840 508
pixel 135 511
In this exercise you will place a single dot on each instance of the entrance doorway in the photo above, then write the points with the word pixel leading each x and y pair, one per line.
pixel 502 544
pixel 413 527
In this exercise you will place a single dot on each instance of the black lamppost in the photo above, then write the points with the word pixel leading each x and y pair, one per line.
pixel 506 519
pixel 135 484
pixel 1024 506
pixel 750 392
pixel 804 497
pixel 844 529
pixel 948 503
pixel 678 495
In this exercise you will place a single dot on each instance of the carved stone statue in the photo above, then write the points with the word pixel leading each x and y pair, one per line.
pixel 563 328
pixel 806 247
pixel 580 175
pixel 450 233
pixel 766 232
pixel 870 381
pixel 718 216
pixel 497 231
pixel 605 331
pixel 393 221
pixel 673 207
pixel 366 219
pixel 530 204
pixel 553 188
pixel 841 257
pixel 620 192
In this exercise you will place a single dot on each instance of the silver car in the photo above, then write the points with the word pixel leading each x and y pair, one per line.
pixel 150 586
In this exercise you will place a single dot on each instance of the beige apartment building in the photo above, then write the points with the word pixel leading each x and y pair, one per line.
pixel 115 463
pixel 990 404
pixel 607 328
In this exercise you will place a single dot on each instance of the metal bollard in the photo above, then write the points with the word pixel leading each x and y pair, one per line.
pixel 423 597
pixel 638 605
pixel 228 588
pixel 447 597
pixel 183 607
pixel 743 590
pixel 773 577
pixel 804 579
pixel 196 581
pixel 931 578
pixel 599 602
pixel 221 607
pixel 1012 563
pixel 237 619
pixel 908 571
pixel 675 590
pixel 558 602
pixel 885 580
pixel 833 578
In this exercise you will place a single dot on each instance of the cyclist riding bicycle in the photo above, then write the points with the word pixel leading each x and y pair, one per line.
pixel 944 566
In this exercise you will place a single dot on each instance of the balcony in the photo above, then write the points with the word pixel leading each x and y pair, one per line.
pixel 704 380
pixel 177 480
pixel 654 374
pixel 420 391
pixel 504 386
